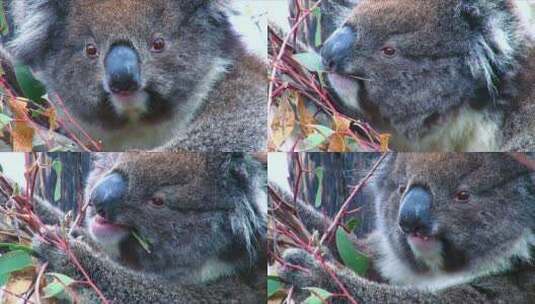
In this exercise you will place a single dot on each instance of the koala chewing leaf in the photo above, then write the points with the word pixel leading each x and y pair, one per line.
pixel 138 74
pixel 439 75
pixel 450 228
pixel 202 217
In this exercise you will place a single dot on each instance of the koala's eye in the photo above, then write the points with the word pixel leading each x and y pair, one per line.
pixel 402 189
pixel 389 51
pixel 158 45
pixel 157 202
pixel 91 50
pixel 462 196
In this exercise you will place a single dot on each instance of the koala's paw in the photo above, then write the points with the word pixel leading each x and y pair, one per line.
pixel 57 260
pixel 303 270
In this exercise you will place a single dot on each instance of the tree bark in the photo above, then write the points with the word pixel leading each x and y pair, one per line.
pixel 342 171
pixel 75 168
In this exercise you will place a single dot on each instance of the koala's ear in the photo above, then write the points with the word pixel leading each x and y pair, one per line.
pixel 31 26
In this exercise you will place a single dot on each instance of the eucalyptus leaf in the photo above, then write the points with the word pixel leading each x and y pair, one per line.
pixel 13 247
pixel 30 86
pixel 319 193
pixel 4 278
pixel 316 12
pixel 327 132
pixel 351 257
pixel 352 224
pixel 318 296
pixel 14 261
pixel 313 141
pixel 273 286
pixel 4 27
pixel 143 242
pixel 311 61
pixel 58 168
pixel 4 120
pixel 58 286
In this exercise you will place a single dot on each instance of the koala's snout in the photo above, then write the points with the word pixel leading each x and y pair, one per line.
pixel 415 215
pixel 123 73
pixel 108 194
pixel 338 48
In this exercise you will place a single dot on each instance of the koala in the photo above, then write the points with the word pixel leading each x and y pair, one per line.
pixel 201 216
pixel 439 75
pixel 141 75
pixel 450 228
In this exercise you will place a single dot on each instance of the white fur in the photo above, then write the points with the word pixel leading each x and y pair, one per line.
pixel 347 89
pixel 466 130
pixel 151 136
pixel 32 27
pixel 214 269
pixel 394 269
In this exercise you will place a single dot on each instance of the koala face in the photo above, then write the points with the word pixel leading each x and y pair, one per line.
pixel 127 62
pixel 446 214
pixel 202 215
pixel 408 63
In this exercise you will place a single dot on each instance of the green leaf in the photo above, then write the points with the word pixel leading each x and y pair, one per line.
pixel 351 257
pixel 4 120
pixel 58 285
pixel 352 224
pixel 4 278
pixel 319 192
pixel 31 88
pixel 313 141
pixel 317 296
pixel 13 247
pixel 14 261
pixel 4 27
pixel 311 61
pixel 58 168
pixel 142 241
pixel 273 285
pixel 316 12
pixel 327 132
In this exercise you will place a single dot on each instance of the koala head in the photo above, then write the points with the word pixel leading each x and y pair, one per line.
pixel 119 62
pixel 407 63
pixel 199 216
pixel 447 217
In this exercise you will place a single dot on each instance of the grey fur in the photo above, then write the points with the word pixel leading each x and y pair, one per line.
pixel 207 243
pixel 486 250
pixel 194 94
pixel 461 79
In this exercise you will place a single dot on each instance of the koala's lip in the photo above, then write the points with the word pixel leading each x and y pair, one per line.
pixel 423 243
pixel 100 225
pixel 342 82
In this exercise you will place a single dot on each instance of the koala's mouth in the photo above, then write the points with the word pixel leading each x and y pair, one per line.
pixel 146 106
pixel 106 231
pixel 423 245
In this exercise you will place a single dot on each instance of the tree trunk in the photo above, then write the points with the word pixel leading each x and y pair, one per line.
pixel 341 172
pixel 74 170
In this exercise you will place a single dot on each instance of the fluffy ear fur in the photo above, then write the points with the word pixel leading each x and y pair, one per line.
pixel 31 24
pixel 494 48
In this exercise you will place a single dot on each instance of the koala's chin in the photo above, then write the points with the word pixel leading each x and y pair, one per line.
pixel 347 90
pixel 132 106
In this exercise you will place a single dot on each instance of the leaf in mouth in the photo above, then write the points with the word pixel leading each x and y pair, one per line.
pixel 142 241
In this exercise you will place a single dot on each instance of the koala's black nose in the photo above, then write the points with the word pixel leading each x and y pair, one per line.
pixel 122 70
pixel 415 211
pixel 337 48
pixel 108 194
